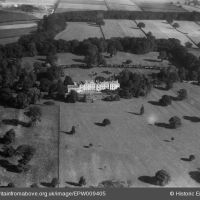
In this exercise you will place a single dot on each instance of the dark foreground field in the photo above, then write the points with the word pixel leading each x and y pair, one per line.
pixel 43 137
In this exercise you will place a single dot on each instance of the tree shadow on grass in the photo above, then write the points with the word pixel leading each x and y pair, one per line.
pixel 155 103
pixel 186 159
pixel 67 132
pixel 45 184
pixel 73 183
pixel 99 124
pixel 9 166
pixel 134 113
pixel 195 175
pixel 174 98
pixel 192 118
pixel 16 122
pixel 152 60
pixel 148 179
pixel 163 125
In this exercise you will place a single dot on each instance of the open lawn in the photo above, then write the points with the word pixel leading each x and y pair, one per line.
pixel 79 31
pixel 148 59
pixel 44 137
pixel 130 147
pixel 161 29
pixel 121 28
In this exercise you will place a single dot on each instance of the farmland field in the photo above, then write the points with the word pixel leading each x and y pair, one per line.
pixel 121 28
pixel 161 29
pixel 43 137
pixel 79 31
pixel 130 147
pixel 191 29
pixel 70 5
pixel 160 7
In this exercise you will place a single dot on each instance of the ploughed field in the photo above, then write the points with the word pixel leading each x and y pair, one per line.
pixel 131 146
pixel 43 137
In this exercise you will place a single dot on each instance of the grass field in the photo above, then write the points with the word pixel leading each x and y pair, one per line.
pixel 44 137
pixel 161 29
pixel 130 147
pixel 79 31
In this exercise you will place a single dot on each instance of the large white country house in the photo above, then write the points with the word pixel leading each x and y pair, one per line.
pixel 91 86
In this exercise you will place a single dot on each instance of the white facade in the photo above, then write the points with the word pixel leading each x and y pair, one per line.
pixel 89 86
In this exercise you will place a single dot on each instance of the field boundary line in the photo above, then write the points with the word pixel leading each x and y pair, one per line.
pixel 58 146
pixel 186 35
pixel 140 28
pixel 102 32
pixel 108 7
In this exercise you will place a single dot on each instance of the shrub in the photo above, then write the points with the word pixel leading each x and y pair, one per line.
pixel 182 94
pixel 162 177
pixel 175 122
pixel 165 100
pixel 8 151
pixel 26 152
pixel 112 98
pixel 9 137
pixel 54 182
pixel 106 122
pixel 82 181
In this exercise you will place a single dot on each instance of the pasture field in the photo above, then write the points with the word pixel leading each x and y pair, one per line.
pixel 191 29
pixel 79 31
pixel 70 5
pixel 131 146
pixel 148 59
pixel 44 137
pixel 161 29
pixel 121 28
